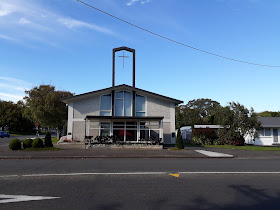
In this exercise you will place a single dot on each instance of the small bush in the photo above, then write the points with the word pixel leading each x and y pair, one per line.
pixel 196 141
pixel 236 142
pixel 217 142
pixel 37 143
pixel 179 141
pixel 27 143
pixel 48 140
pixel 15 144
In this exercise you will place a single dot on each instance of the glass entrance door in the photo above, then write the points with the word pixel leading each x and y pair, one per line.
pixel 275 135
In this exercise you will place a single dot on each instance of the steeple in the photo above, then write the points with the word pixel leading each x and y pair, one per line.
pixel 133 68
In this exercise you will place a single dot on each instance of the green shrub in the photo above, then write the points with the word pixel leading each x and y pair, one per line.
pixel 48 140
pixel 217 142
pixel 179 141
pixel 207 141
pixel 196 141
pixel 27 143
pixel 15 144
pixel 37 143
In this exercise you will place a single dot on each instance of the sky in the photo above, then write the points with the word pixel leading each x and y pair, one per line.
pixel 69 45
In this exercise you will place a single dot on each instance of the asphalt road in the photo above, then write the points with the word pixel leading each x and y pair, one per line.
pixel 142 183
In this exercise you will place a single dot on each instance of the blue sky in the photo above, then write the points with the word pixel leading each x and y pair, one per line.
pixel 69 45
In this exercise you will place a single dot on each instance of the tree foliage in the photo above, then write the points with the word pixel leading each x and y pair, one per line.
pixel 11 115
pixel 269 114
pixel 238 121
pixel 44 105
pixel 200 111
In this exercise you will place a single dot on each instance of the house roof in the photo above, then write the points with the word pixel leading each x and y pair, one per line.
pixel 270 121
pixel 85 95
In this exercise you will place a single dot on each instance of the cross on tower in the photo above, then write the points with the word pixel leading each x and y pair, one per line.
pixel 123 56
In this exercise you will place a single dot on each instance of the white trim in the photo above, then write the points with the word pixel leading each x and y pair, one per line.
pixel 78 119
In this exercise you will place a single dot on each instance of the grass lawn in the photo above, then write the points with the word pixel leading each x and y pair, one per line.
pixel 54 140
pixel 255 148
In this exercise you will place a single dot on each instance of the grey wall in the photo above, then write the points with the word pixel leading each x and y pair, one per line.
pixel 78 130
pixel 157 107
pixel 87 106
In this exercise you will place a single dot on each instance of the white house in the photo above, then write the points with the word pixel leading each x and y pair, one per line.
pixel 269 134
pixel 130 113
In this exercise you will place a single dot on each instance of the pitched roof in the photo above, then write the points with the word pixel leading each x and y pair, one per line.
pixel 77 97
pixel 270 121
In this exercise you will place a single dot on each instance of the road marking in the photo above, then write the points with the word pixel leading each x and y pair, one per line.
pixel 19 198
pixel 213 154
pixel 144 173
pixel 175 175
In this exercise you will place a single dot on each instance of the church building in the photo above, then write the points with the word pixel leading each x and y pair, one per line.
pixel 130 113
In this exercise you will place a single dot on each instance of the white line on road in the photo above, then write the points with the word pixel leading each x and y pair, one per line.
pixel 213 154
pixel 144 173
pixel 18 198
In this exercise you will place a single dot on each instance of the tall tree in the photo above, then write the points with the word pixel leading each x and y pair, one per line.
pixel 10 115
pixel 43 106
pixel 199 111
pixel 238 121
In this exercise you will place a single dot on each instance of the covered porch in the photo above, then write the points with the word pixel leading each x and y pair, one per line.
pixel 125 129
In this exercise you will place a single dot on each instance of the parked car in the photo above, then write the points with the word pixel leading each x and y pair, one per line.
pixel 4 134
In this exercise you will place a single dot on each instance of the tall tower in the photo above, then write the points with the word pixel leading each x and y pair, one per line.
pixel 133 68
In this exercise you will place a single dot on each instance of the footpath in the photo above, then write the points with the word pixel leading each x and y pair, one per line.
pixel 78 151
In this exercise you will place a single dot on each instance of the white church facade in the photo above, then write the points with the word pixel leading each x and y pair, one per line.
pixel 122 111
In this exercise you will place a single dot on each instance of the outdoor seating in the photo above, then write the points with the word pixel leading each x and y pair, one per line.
pixel 88 141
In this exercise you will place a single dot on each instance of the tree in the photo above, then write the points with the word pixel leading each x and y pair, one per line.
pixel 269 114
pixel 43 106
pixel 237 122
pixel 179 141
pixel 10 115
pixel 200 111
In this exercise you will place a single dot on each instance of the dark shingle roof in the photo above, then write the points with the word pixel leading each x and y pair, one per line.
pixel 270 121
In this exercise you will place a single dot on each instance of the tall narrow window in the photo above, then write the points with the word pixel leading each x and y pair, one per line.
pixel 105 105
pixel 140 106
pixel 123 103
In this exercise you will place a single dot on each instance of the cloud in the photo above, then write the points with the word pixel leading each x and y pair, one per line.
pixel 72 23
pixel 6 9
pixel 131 2
pixel 23 21
pixel 7 37
pixel 30 23
pixel 12 89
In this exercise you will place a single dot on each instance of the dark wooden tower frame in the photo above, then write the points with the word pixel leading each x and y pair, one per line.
pixel 113 72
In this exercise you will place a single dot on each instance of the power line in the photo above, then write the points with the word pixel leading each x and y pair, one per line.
pixel 174 41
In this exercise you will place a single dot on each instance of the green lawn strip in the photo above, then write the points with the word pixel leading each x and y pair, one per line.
pixel 253 148
pixel 55 140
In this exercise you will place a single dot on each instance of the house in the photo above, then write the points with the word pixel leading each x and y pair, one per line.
pixel 269 134
pixel 126 112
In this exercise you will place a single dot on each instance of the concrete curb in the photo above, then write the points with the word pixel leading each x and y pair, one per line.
pixel 96 157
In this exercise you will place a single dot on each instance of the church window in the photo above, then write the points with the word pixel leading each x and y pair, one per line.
pixel 123 104
pixel 140 106
pixel 105 105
